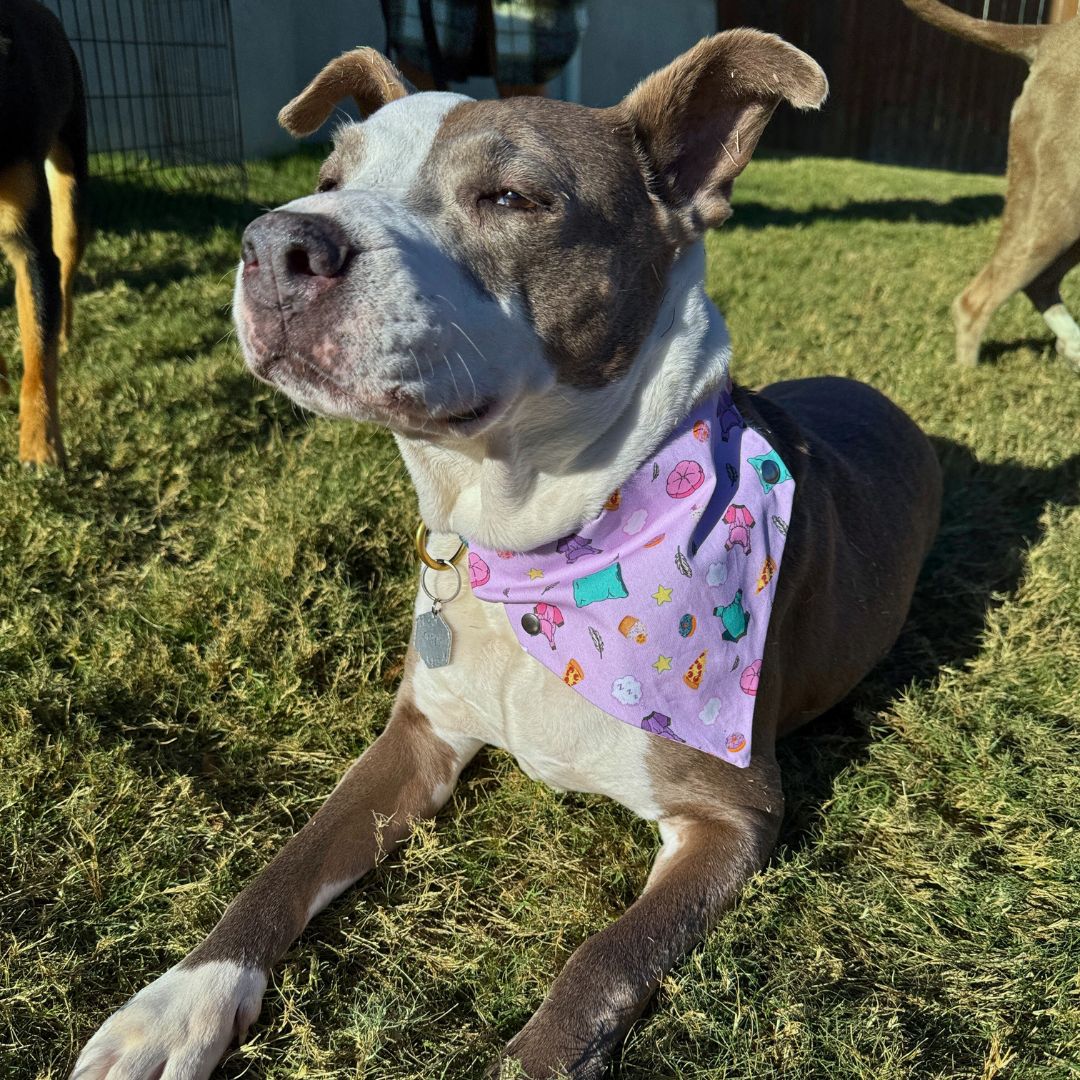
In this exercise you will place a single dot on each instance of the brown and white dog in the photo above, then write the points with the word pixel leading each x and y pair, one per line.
pixel 516 290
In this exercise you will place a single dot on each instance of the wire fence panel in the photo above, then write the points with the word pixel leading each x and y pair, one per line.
pixel 901 91
pixel 161 90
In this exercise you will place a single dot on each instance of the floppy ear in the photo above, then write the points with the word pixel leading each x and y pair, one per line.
pixel 362 74
pixel 699 119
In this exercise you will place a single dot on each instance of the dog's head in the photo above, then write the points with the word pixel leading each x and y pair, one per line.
pixel 461 257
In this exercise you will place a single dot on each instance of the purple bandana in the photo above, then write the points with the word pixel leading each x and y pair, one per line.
pixel 656 611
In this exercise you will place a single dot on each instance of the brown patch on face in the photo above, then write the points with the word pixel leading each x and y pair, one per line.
pixel 589 263
pixel 344 160
pixel 365 75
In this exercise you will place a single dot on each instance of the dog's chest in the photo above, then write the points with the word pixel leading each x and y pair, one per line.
pixel 492 690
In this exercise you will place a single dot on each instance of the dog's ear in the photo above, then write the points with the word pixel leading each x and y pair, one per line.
pixel 699 119
pixel 365 75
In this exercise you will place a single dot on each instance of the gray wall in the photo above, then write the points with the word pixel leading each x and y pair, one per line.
pixel 280 44
pixel 627 39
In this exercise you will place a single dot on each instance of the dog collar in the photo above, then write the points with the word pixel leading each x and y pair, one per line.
pixel 657 610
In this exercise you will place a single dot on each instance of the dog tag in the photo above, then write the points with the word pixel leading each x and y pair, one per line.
pixel 433 638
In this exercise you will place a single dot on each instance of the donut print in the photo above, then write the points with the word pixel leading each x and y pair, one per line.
pixel 479 571
pixel 749 679
pixel 685 479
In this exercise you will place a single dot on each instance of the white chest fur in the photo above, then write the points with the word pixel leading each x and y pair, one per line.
pixel 493 691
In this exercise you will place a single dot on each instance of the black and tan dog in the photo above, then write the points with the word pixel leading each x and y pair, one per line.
pixel 516 290
pixel 42 191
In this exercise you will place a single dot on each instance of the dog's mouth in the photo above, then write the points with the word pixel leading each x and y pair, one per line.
pixel 416 420
pixel 299 377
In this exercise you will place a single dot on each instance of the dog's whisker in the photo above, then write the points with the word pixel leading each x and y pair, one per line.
pixel 431 367
pixel 461 331
pixel 468 371
pixel 453 377
pixel 423 385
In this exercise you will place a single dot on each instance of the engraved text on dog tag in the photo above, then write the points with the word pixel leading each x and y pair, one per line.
pixel 433 638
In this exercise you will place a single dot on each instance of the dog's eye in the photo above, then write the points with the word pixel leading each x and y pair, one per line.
pixel 327 183
pixel 514 200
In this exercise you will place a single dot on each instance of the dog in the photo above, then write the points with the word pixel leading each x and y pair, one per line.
pixel 516 290
pixel 1039 242
pixel 43 173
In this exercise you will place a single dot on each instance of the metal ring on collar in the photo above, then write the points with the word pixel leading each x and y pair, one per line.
pixel 429 560
pixel 441 600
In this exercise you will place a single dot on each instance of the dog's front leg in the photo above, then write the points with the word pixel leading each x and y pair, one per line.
pixel 605 985
pixel 180 1025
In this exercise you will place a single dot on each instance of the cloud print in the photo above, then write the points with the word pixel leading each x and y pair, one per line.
pixel 635 522
pixel 717 573
pixel 711 711
pixel 626 690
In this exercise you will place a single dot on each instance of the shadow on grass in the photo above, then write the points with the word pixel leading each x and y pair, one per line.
pixel 118 206
pixel 992 351
pixel 990 519
pixel 961 210
pixel 121 206
pixel 140 278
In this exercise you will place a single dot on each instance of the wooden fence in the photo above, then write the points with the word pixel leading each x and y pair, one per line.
pixel 901 91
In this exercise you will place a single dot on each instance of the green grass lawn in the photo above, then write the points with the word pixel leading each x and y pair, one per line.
pixel 204 620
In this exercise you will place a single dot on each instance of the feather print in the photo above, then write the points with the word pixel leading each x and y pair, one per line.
pixel 682 565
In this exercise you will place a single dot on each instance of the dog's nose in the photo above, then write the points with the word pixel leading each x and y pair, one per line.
pixel 289 258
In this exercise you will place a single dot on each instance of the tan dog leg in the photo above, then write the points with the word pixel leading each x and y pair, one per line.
pixel 702 867
pixel 1036 242
pixel 66 233
pixel 1013 265
pixel 184 1021
pixel 17 194
pixel 26 235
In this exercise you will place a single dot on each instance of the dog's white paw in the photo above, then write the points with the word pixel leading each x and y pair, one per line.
pixel 178 1027
pixel 1070 351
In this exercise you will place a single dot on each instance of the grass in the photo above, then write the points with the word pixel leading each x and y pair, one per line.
pixel 203 621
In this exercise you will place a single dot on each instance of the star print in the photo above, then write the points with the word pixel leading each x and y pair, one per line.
pixel 662 595
pixel 663 663
pixel 534 574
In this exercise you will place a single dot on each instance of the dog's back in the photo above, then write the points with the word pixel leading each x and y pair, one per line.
pixel 865 473
pixel 39 82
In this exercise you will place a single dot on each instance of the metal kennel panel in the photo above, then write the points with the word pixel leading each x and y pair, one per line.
pixel 161 90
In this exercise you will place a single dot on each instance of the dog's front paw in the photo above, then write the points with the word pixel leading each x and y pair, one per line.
pixel 552 1046
pixel 1070 351
pixel 178 1027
